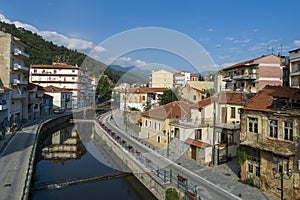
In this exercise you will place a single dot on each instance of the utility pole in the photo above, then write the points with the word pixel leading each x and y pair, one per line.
pixel 214 133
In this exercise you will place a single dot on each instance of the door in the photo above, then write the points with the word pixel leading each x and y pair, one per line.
pixel 224 115
pixel 194 152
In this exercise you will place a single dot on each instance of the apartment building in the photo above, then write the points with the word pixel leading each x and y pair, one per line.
pixel 161 79
pixel 13 73
pixel 60 75
pixel 5 96
pixel 294 68
pixel 270 141
pixel 253 75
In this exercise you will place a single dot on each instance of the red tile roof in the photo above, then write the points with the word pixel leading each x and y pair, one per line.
pixel 173 110
pixel 54 66
pixel 54 89
pixel 197 143
pixel 203 103
pixel 47 96
pixel 31 86
pixel 145 90
pixel 5 88
pixel 194 75
pixel 264 99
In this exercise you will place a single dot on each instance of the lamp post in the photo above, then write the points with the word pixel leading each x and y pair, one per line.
pixel 279 174
pixel 111 108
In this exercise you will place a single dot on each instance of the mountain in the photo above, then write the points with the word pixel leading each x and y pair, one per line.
pixel 120 68
pixel 45 52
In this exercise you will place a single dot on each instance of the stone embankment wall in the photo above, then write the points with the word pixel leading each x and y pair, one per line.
pixel 149 179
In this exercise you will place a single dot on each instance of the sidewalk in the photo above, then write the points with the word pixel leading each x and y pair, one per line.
pixel 225 175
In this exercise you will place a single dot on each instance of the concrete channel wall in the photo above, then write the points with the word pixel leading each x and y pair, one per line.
pixel 40 131
pixel 155 185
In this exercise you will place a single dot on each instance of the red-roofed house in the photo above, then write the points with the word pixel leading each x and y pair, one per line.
pixel 156 121
pixel 61 98
pixel 270 124
pixel 253 75
pixel 139 97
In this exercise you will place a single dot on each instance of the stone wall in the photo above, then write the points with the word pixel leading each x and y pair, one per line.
pixel 149 179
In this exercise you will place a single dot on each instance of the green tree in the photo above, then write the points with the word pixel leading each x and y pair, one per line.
pixel 104 89
pixel 147 106
pixel 210 92
pixel 168 96
pixel 172 194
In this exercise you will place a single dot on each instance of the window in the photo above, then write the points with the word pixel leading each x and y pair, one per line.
pixel 252 125
pixel 144 98
pixel 288 131
pixel 257 171
pixel 159 126
pixel 250 168
pixel 194 97
pixel 232 114
pixel 198 134
pixel 146 123
pixel 273 129
pixel 34 71
pixel 154 125
pixel 73 70
pixel 54 71
pixel 230 138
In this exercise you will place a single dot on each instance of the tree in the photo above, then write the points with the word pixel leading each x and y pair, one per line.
pixel 168 96
pixel 172 194
pixel 147 106
pixel 210 92
pixel 104 89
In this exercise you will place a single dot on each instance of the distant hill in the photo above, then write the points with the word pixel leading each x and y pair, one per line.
pixel 45 52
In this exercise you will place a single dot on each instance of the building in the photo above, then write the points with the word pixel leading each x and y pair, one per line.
pixel 13 73
pixel 194 77
pixel 155 123
pixel 62 98
pixel 192 94
pixel 253 75
pixel 294 68
pixel 35 101
pixel 5 96
pixel 180 79
pixel 161 79
pixel 270 124
pixel 60 75
pixel 47 105
pixel 139 98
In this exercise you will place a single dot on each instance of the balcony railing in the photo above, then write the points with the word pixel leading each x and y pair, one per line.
pixel 19 82
pixel 245 77
pixel 20 67
pixel 19 52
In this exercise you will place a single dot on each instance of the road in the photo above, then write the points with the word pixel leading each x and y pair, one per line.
pixel 206 189
pixel 14 162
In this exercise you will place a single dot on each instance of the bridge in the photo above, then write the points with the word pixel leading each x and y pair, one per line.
pixel 67 182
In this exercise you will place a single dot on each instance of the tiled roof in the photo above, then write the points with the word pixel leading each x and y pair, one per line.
pixel 31 86
pixel 233 97
pixel 203 103
pixel 55 66
pixel 5 88
pixel 197 143
pixel 173 110
pixel 47 96
pixel 263 100
pixel 245 62
pixel 145 90
pixel 194 75
pixel 54 89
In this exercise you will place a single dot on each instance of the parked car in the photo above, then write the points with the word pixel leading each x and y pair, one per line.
pixel 58 111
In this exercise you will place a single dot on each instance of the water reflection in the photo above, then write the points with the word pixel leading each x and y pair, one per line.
pixel 63 144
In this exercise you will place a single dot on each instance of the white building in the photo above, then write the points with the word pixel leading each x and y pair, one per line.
pixel 62 98
pixel 294 68
pixel 5 95
pixel 59 75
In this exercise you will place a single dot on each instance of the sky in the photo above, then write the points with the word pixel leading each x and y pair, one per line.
pixel 226 31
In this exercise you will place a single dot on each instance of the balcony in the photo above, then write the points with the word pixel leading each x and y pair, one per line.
pixel 245 77
pixel 21 53
pixel 19 82
pixel 227 78
pixel 3 104
pixel 20 67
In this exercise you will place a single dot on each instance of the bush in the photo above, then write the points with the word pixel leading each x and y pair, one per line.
pixel 172 194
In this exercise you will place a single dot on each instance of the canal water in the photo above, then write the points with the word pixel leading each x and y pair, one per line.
pixel 63 155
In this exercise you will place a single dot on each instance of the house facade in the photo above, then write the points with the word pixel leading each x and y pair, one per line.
pixel 294 68
pixel 5 96
pixel 60 75
pixel 13 72
pixel 61 98
pixel 270 124
pixel 140 97
pixel 253 75
pixel 161 79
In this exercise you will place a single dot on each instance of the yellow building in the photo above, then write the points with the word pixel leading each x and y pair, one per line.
pixel 155 123
pixel 162 79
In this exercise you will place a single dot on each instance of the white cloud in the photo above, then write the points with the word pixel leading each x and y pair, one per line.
pixel 229 38
pixel 211 30
pixel 263 45
pixel 245 41
pixel 224 57
pixel 57 38
pixel 296 42
pixel 218 45
pixel 126 61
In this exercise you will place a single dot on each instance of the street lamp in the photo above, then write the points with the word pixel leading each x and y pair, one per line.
pixel 280 174
pixel 111 108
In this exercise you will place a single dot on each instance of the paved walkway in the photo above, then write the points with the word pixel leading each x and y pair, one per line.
pixel 225 175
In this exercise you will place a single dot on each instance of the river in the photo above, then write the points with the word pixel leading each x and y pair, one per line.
pixel 62 155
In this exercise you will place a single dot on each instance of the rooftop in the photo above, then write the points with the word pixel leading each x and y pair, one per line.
pixel 54 66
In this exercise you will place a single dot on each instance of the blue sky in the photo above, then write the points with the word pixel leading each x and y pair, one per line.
pixel 230 31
